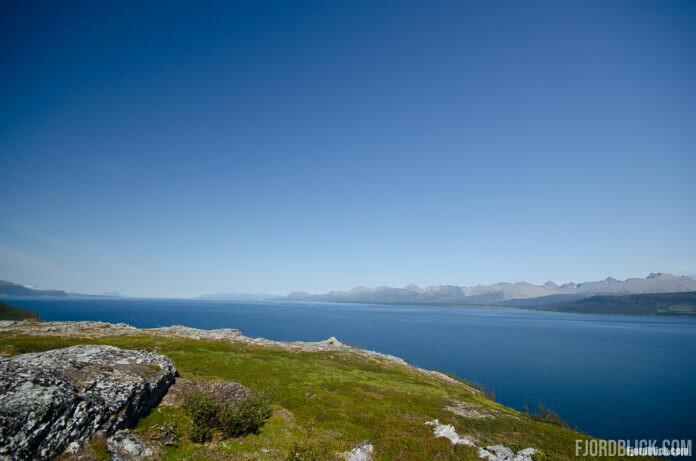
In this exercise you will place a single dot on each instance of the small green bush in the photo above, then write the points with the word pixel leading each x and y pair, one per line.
pixel 488 392
pixel 203 408
pixel 247 415
pixel 547 415
pixel 211 410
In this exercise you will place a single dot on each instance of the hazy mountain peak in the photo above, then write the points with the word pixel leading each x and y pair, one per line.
pixel 504 291
pixel 38 287
pixel 16 289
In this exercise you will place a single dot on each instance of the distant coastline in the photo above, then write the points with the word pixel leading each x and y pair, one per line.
pixel 653 305
pixel 658 294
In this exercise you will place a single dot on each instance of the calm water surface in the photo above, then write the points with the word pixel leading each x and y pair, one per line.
pixel 611 376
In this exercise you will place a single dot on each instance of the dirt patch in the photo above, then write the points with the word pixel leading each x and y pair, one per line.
pixel 468 410
pixel 176 394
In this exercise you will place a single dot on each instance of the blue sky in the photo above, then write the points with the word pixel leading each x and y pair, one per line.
pixel 179 148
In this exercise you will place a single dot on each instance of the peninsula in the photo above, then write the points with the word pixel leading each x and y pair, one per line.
pixel 321 400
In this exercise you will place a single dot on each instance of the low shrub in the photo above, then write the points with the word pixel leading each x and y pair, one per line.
pixel 546 415
pixel 487 391
pixel 245 416
pixel 214 407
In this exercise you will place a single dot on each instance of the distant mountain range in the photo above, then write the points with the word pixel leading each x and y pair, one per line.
pixel 521 294
pixel 9 289
pixel 15 289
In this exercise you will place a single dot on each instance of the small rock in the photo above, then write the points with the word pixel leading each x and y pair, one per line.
pixel 528 452
pixel 492 453
pixel 501 453
pixel 125 445
pixel 362 452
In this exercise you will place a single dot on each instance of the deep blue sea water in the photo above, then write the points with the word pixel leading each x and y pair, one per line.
pixel 611 376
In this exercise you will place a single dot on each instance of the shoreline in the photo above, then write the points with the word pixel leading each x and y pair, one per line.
pixel 98 329
pixel 357 303
pixel 364 377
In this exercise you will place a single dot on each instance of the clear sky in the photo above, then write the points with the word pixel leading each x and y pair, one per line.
pixel 178 148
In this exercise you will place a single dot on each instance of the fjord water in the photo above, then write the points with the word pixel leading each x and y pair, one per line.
pixel 613 377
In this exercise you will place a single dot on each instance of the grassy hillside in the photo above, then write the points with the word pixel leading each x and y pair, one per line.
pixel 325 403
pixel 541 301
pixel 8 312
pixel 672 304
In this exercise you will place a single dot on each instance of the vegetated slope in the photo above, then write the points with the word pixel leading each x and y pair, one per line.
pixel 8 312
pixel 325 403
pixel 542 301
pixel 673 304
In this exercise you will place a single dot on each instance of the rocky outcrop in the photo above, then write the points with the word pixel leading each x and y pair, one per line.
pixel 491 453
pixel 55 399
pixel 501 453
pixel 447 431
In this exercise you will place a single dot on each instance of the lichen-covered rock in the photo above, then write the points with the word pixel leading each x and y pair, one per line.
pixel 362 452
pixel 501 453
pixel 126 446
pixel 447 431
pixel 50 399
pixel 491 453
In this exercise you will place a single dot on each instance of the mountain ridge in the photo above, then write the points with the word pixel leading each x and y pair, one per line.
pixel 505 292
pixel 519 294
pixel 16 289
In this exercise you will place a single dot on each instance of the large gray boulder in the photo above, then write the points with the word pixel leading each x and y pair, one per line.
pixel 51 399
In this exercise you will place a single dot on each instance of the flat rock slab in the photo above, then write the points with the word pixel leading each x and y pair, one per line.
pixel 50 399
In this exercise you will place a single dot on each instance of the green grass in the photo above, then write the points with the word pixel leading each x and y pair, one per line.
pixel 327 402
pixel 8 312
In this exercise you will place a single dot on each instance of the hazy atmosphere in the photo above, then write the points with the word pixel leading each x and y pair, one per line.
pixel 252 147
